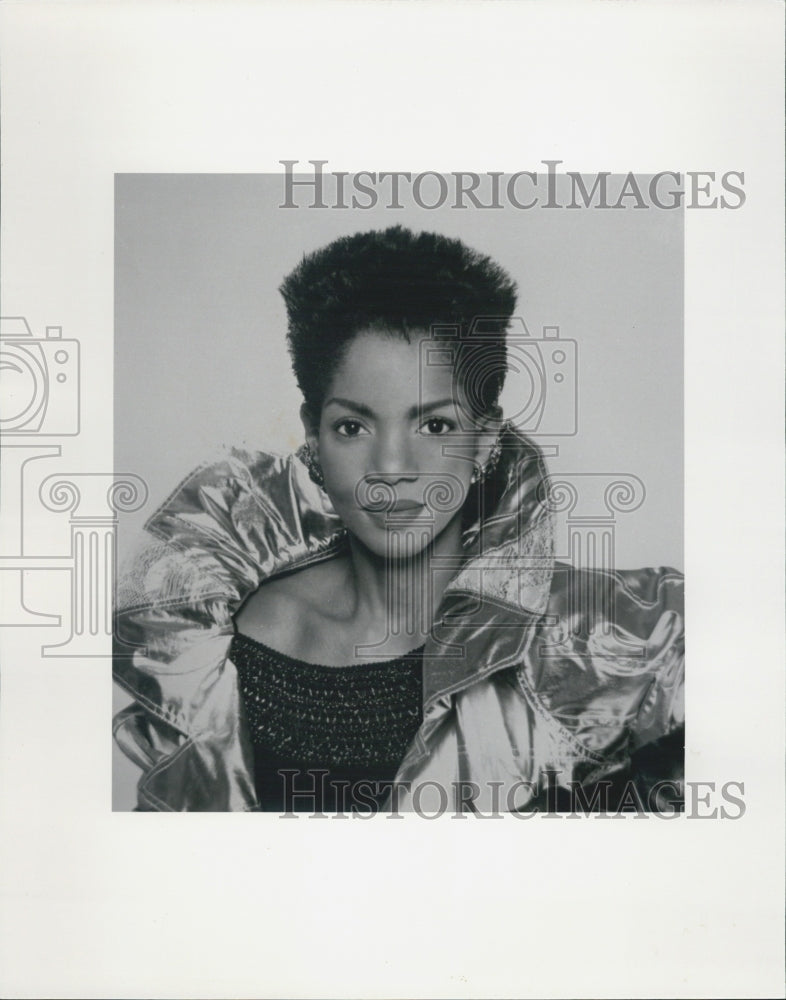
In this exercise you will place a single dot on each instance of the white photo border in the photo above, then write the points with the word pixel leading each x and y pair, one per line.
pixel 102 904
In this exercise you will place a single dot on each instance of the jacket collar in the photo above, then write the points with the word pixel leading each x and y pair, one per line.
pixel 256 515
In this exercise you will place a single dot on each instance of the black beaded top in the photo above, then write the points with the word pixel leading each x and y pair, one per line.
pixel 355 721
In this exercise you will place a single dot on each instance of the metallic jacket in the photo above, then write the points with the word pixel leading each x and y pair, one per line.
pixel 536 672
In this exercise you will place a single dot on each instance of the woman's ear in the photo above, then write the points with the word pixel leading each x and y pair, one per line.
pixel 489 426
pixel 311 428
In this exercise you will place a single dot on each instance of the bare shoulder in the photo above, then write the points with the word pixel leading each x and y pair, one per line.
pixel 283 609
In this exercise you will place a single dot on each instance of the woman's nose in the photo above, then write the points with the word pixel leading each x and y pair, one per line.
pixel 393 458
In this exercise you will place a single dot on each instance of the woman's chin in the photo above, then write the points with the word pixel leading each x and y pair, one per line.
pixel 395 542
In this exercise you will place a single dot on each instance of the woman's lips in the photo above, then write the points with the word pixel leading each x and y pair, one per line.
pixel 401 511
pixel 399 505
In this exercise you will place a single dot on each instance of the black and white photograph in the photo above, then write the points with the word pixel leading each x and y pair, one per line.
pixel 435 599
pixel 391 499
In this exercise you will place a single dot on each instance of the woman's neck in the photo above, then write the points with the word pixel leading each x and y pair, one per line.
pixel 396 595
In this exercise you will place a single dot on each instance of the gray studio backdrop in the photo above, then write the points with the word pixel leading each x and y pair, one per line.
pixel 201 360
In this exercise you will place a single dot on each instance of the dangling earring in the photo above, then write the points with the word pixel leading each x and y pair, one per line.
pixel 483 471
pixel 311 463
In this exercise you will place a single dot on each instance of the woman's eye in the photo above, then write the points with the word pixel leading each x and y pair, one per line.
pixel 437 425
pixel 349 428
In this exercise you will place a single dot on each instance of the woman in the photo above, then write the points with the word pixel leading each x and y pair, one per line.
pixel 377 622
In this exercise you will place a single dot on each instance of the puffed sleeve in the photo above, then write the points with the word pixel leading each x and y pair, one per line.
pixel 227 527
pixel 609 662
pixel 173 629
pixel 660 593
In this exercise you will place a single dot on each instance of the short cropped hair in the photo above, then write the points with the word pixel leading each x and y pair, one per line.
pixel 394 281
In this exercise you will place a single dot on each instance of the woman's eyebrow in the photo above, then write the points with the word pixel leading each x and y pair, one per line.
pixel 438 404
pixel 349 404
pixel 366 411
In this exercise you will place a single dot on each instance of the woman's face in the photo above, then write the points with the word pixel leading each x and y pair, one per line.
pixel 396 463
